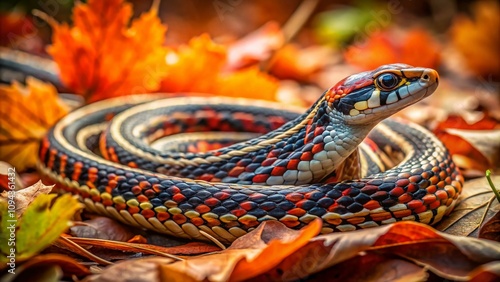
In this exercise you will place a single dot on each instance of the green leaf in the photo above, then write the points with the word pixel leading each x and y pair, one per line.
pixel 8 225
pixel 42 224
pixel 5 230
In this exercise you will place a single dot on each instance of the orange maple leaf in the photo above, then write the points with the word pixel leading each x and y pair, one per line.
pixel 194 67
pixel 416 47
pixel 100 56
pixel 199 67
pixel 27 113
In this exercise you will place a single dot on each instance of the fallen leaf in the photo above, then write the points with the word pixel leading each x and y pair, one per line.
pixel 458 122
pixel 201 58
pixel 481 58
pixel 247 83
pixel 26 196
pixel 43 222
pixel 275 251
pixel 475 145
pixel 272 252
pixel 290 62
pixel 49 272
pixel 146 269
pixel 248 257
pixel 117 59
pixel 414 47
pixel 491 228
pixel 448 256
pixel 463 255
pixel 486 272
pixel 102 228
pixel 204 60
pixel 51 265
pixel 465 219
pixel 375 267
pixel 27 113
pixel 255 47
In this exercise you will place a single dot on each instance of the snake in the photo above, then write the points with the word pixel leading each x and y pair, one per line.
pixel 136 159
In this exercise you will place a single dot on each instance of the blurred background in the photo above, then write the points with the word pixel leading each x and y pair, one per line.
pixel 309 45
pixel 461 37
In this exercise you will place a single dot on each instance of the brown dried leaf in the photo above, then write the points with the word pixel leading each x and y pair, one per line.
pixel 491 229
pixel 102 228
pixel 255 47
pixel 487 142
pixel 376 267
pixel 138 270
pixel 473 145
pixel 32 269
pixel 26 196
pixel 249 256
pixel 409 240
pixel 381 253
pixel 290 62
pixel 486 272
pixel 466 217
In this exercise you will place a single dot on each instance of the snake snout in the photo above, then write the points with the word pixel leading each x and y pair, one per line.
pixel 428 77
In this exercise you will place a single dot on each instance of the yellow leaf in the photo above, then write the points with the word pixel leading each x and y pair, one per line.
pixel 27 113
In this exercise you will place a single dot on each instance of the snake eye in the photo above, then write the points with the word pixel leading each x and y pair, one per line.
pixel 388 81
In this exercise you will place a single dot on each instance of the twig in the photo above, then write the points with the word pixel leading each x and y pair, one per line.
pixel 123 245
pixel 84 252
pixel 299 18
pixel 216 242
pixel 42 15
pixel 292 27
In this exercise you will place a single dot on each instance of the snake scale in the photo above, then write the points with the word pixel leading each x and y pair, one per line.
pixel 296 166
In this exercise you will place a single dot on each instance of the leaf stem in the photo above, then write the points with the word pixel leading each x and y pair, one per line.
pixel 495 191
pixel 484 215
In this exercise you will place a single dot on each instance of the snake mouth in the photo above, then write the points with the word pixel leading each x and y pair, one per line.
pixel 376 103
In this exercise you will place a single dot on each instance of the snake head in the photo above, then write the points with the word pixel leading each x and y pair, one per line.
pixel 375 95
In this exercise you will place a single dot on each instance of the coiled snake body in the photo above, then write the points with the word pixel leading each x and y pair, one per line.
pixel 300 169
